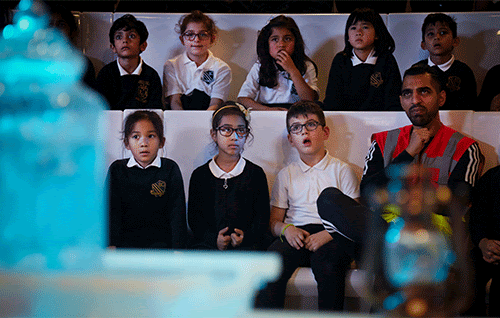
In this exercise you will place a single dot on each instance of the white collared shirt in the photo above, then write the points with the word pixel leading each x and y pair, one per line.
pixel 371 59
pixel 298 186
pixel 137 70
pixel 443 67
pixel 182 76
pixel 282 93
pixel 221 174
pixel 132 163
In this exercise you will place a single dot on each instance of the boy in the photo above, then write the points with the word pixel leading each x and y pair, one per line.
pixel 439 37
pixel 303 240
pixel 128 82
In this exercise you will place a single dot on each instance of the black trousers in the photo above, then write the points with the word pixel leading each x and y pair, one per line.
pixel 329 265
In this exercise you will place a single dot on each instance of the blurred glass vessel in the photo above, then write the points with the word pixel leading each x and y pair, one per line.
pixel 52 162
pixel 412 268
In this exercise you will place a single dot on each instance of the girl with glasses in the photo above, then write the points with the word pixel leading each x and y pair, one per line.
pixel 196 79
pixel 228 203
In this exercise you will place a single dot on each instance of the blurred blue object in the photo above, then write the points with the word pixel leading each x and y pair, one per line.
pixel 51 177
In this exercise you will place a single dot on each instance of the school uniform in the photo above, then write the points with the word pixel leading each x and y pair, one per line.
pixel 147 207
pixel 237 199
pixel 139 90
pixel 372 85
pixel 284 93
pixel 489 90
pixel 296 189
pixel 211 79
pixel 459 84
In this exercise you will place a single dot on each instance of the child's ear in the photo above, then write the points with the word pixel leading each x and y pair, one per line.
pixel 289 136
pixel 456 41
pixel 213 37
pixel 127 146
pixel 326 131
pixel 181 39
pixel 213 134
pixel 143 46
pixel 422 45
pixel 162 142
pixel 112 46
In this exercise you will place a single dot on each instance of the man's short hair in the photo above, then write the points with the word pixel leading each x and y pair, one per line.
pixel 304 108
pixel 426 69
pixel 128 22
pixel 433 18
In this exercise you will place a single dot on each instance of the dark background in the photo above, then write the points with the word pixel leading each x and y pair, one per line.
pixel 272 6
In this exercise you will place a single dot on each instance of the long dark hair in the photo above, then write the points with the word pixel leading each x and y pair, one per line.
pixel 383 43
pixel 268 73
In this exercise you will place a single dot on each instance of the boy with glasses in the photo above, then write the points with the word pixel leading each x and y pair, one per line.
pixel 128 83
pixel 302 238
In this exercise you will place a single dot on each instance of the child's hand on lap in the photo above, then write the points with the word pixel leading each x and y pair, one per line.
pixel 315 241
pixel 223 239
pixel 296 236
pixel 236 237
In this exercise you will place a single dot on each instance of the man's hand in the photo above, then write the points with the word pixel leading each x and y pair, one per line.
pixel 315 241
pixel 490 250
pixel 418 139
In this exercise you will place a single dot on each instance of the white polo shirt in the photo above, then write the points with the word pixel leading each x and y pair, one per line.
pixel 284 92
pixel 182 76
pixel 298 186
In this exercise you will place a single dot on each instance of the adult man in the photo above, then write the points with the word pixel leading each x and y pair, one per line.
pixel 452 158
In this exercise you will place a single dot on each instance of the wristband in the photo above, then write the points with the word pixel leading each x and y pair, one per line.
pixel 283 231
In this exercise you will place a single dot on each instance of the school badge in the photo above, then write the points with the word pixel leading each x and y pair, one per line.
pixel 454 83
pixel 142 91
pixel 208 77
pixel 376 79
pixel 158 188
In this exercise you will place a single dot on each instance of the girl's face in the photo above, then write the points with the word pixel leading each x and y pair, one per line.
pixel 230 145
pixel 144 142
pixel 197 40
pixel 362 36
pixel 281 39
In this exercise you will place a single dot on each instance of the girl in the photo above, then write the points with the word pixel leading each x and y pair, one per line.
pixel 228 206
pixel 196 79
pixel 365 76
pixel 284 74
pixel 147 202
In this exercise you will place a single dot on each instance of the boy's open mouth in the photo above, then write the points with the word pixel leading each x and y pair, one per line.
pixel 306 142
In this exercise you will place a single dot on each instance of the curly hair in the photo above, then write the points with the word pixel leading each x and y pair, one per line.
pixel 198 17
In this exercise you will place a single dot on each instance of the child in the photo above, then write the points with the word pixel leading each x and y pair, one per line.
pixel 147 202
pixel 128 82
pixel 365 76
pixel 284 74
pixel 63 20
pixel 228 206
pixel 303 240
pixel 489 98
pixel 439 37
pixel 196 79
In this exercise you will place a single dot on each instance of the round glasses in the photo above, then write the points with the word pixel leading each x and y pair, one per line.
pixel 191 36
pixel 227 131
pixel 310 126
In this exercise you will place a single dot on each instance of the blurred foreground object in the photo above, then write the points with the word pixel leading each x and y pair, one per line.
pixel 412 268
pixel 52 171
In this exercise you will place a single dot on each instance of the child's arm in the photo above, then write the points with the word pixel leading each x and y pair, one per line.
pixel 250 103
pixel 294 236
pixel 175 102
pixel 177 208
pixel 335 89
pixel 303 89
pixel 220 88
pixel 215 103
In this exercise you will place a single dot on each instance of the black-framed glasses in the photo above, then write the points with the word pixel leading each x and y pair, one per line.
pixel 310 126
pixel 227 131
pixel 201 36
